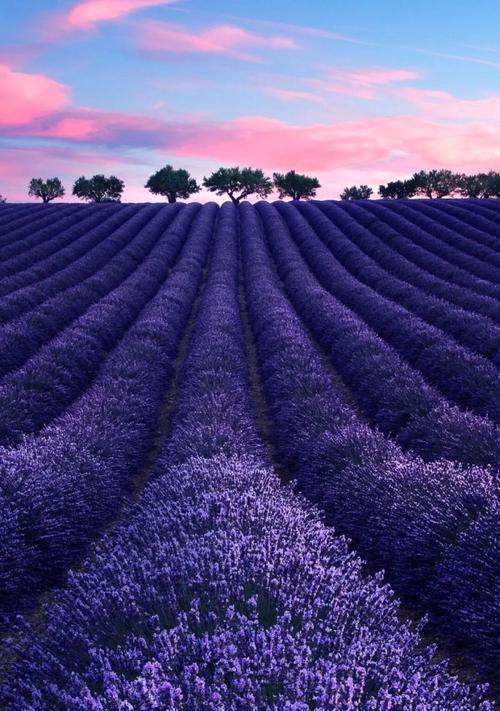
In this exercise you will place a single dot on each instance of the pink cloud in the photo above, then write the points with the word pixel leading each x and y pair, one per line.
pixel 166 38
pixel 27 97
pixel 88 14
pixel 289 95
pixel 441 104
pixel 362 83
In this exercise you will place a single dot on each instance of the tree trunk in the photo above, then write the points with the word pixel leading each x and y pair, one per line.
pixel 172 197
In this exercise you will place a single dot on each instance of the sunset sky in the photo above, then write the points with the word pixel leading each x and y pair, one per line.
pixel 359 92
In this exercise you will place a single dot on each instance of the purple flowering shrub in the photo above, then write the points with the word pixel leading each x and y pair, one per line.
pixel 411 518
pixel 222 589
pixel 59 488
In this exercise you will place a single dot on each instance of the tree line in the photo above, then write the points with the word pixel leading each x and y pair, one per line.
pixel 432 184
pixel 239 183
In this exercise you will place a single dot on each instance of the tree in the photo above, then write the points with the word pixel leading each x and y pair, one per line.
pixel 397 189
pixel 295 185
pixel 245 181
pixel 48 190
pixel 172 183
pixel 99 188
pixel 355 192
pixel 490 183
pixel 436 183
pixel 3 200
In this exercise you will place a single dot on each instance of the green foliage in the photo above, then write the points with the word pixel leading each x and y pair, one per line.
pixel 357 192
pixel 239 183
pixel 99 188
pixel 47 190
pixel 295 185
pixel 436 183
pixel 172 183
pixel 482 185
pixel 397 189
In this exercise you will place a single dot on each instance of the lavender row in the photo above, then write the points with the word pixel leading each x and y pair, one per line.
pixel 58 489
pixel 34 315
pixel 466 379
pixel 412 244
pixel 63 244
pixel 379 241
pixel 430 526
pixel 485 208
pixel 223 590
pixel 66 272
pixel 481 231
pixel 464 251
pixel 23 234
pixel 470 330
pixel 20 219
pixel 33 395
pixel 389 392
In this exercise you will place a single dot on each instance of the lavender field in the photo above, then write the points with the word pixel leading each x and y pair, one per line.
pixel 250 456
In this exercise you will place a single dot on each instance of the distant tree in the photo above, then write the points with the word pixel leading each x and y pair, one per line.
pixel 239 183
pixel 172 183
pixel 356 192
pixel 436 183
pixel 470 186
pixel 295 186
pixel 397 189
pixel 48 190
pixel 99 188
pixel 490 184
pixel 3 200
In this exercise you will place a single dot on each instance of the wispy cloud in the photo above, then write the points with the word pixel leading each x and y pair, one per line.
pixel 291 95
pixel 459 57
pixel 361 83
pixel 300 30
pixel 88 14
pixel 166 38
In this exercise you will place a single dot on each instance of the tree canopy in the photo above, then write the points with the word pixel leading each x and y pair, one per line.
pixel 435 183
pixel 356 192
pixel 47 190
pixel 397 189
pixel 172 183
pixel 2 200
pixel 99 188
pixel 481 185
pixel 239 183
pixel 295 185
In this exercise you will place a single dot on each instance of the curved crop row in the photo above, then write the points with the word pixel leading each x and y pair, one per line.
pixel 40 390
pixel 27 230
pixel 223 590
pixel 410 244
pixel 16 217
pixel 105 242
pixel 393 395
pixel 468 239
pixel 463 377
pixel 429 525
pixel 58 489
pixel 470 330
pixel 481 232
pixel 379 241
pixel 65 244
pixel 40 319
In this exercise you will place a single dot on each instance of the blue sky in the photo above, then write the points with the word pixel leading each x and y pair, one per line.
pixel 351 92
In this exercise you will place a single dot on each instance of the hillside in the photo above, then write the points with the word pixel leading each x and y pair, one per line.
pixel 165 369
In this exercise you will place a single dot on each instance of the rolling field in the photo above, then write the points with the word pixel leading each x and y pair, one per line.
pixel 166 372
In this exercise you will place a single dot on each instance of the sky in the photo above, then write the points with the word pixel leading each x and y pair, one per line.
pixel 351 92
